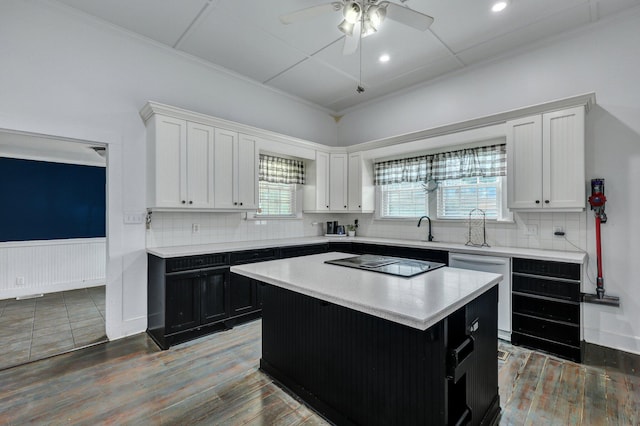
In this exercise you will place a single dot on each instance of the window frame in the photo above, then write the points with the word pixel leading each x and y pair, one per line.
pixel 504 214
pixel 296 204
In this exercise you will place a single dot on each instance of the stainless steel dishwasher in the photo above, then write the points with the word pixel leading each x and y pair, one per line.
pixel 496 265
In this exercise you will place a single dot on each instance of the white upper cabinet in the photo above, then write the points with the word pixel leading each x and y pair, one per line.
pixel 326 187
pixel 339 182
pixel 546 161
pixel 247 172
pixel 180 159
pixel 235 171
pixel 316 189
pixel 361 194
pixel 338 175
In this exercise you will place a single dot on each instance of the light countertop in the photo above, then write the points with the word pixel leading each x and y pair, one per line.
pixel 418 302
pixel 554 255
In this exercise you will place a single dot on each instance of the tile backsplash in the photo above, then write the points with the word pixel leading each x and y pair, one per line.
pixel 177 228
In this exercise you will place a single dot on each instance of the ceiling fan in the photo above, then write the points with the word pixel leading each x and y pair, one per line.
pixel 362 18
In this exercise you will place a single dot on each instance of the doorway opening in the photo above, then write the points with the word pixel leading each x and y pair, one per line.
pixel 52 246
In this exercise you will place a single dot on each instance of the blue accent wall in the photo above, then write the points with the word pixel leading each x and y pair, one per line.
pixel 41 200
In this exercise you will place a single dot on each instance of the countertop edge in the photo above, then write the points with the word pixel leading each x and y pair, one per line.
pixel 539 254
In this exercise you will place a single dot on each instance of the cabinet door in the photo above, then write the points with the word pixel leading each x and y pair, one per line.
pixel 322 181
pixel 563 159
pixel 338 175
pixel 247 173
pixel 224 146
pixel 524 163
pixel 182 302
pixel 199 153
pixel 242 295
pixel 169 179
pixel 354 180
pixel 214 295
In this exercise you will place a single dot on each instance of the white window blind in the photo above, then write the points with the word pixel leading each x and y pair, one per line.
pixel 403 200
pixel 276 199
pixel 457 197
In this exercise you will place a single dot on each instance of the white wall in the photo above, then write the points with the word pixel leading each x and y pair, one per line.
pixel 604 59
pixel 67 76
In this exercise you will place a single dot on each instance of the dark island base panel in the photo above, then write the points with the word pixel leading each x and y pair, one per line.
pixel 357 369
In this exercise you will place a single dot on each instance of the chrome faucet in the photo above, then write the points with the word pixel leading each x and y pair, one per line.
pixel 429 237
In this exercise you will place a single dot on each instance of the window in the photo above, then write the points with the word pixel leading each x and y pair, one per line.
pixel 457 197
pixel 403 200
pixel 276 199
pixel 278 184
pixel 467 179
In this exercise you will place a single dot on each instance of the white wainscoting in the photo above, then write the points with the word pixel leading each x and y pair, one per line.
pixel 50 266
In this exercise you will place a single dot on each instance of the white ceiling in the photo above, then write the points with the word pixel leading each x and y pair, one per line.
pixel 305 59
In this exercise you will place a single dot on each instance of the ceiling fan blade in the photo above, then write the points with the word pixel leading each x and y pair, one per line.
pixel 409 17
pixel 310 12
pixel 351 41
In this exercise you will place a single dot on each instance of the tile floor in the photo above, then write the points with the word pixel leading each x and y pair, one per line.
pixel 33 329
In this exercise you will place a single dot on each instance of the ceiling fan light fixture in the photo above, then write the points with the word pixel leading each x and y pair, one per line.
pixel 375 15
pixel 352 12
pixel 346 27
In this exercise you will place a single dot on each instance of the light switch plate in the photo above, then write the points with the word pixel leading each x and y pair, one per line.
pixel 133 218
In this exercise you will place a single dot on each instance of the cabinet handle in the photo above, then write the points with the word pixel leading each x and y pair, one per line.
pixel 537 201
pixel 184 202
pixel 546 201
pixel 235 204
pixel 345 207
pixel 359 206
pixel 190 202
pixel 240 203
pixel 327 206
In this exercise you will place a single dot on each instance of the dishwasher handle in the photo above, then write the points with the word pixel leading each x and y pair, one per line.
pixel 481 260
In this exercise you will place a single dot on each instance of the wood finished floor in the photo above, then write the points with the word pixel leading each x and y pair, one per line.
pixel 214 380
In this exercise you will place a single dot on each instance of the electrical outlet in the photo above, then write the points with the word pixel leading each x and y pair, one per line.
pixel 19 281
pixel 531 230
pixel 195 228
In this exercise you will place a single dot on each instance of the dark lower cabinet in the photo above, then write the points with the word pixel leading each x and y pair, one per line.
pixel 244 295
pixel 441 256
pixel 214 291
pixel 189 297
pixel 303 250
pixel 183 302
pixel 355 368
pixel 192 296
pixel 546 307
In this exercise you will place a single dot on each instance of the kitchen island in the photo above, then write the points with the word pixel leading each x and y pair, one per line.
pixel 367 348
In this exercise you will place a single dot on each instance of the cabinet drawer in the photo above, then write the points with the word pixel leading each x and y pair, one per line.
pixel 250 256
pixel 294 251
pixel 196 262
pixel 573 353
pixel 548 309
pixel 546 268
pixel 566 290
pixel 549 330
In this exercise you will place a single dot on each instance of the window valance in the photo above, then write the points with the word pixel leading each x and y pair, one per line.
pixel 485 161
pixel 280 170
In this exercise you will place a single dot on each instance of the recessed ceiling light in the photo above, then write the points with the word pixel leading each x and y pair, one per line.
pixel 499 6
pixel 384 58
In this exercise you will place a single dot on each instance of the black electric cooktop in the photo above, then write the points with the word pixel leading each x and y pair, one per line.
pixel 387 265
